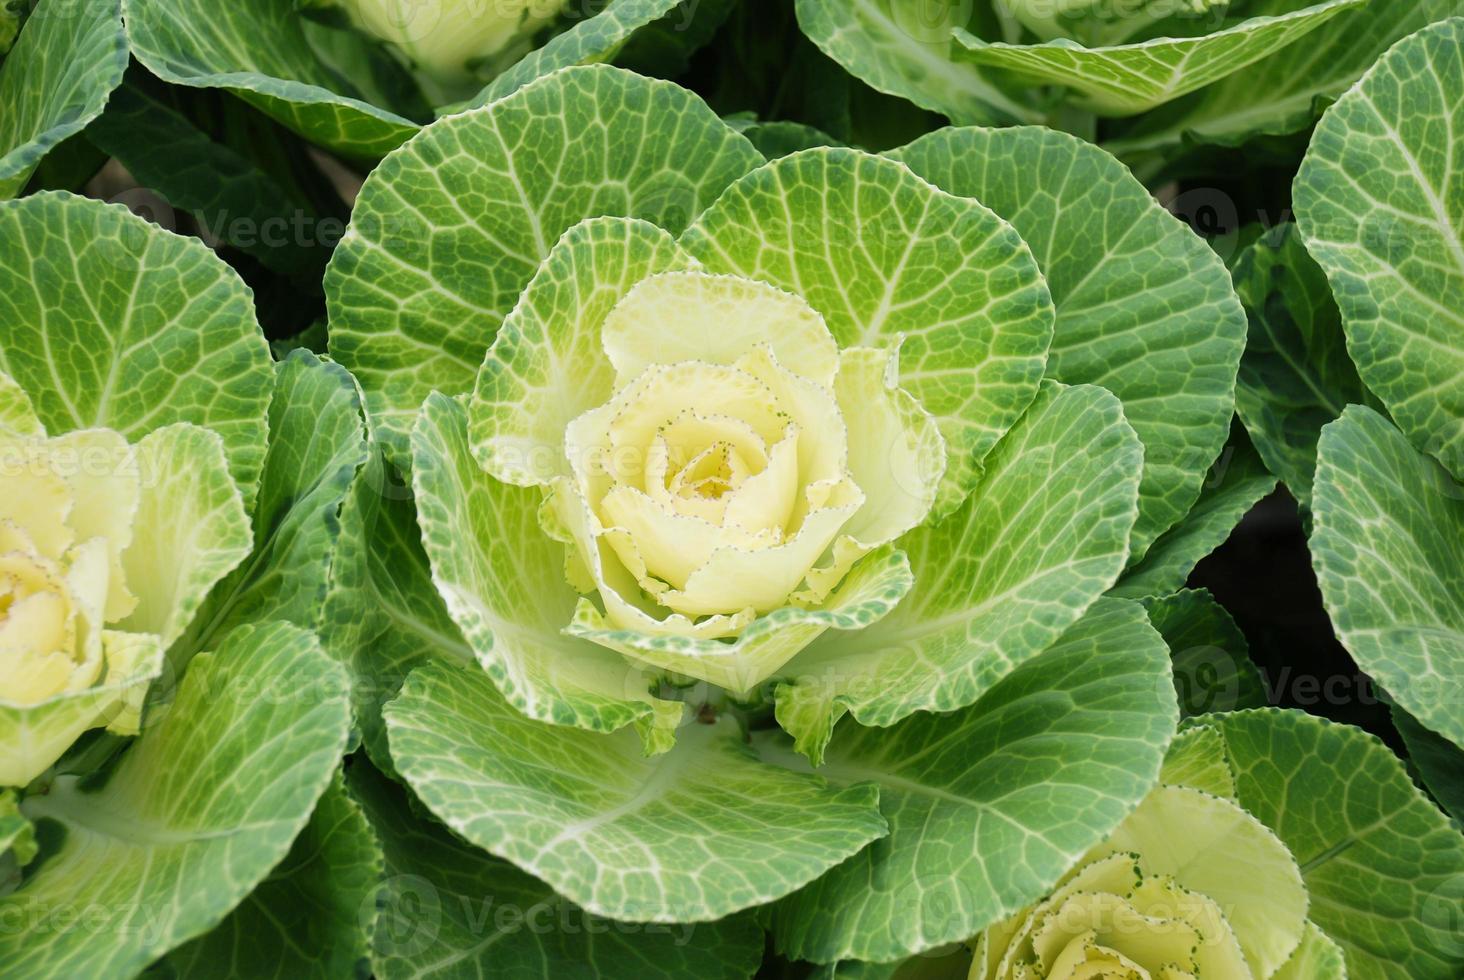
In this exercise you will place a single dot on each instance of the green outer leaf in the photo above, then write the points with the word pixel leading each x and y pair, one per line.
pixel 1381 205
pixel 1388 548
pixel 57 78
pixel 17 414
pixel 1295 376
pixel 189 531
pixel 382 615
pixel 1438 763
pixel 135 328
pixel 260 51
pixel 452 911
pixel 1317 958
pixel 547 364
pixel 1125 79
pixel 996 583
pixel 503 581
pixel 192 818
pixel 17 834
pixel 592 39
pixel 448 231
pixel 1212 666
pixel 1144 307
pixel 1233 485
pixel 1197 758
pixel 689 836
pixel 313 916
pixel 1287 91
pixel 888 259
pixel 990 806
pixel 1384 868
pixel 900 50
pixel 317 443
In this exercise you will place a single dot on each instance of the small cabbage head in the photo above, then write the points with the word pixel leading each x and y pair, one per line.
pixel 1190 886
pixel 66 517
pixel 448 40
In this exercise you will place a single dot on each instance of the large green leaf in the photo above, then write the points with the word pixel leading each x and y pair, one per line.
pixel 1233 485
pixel 312 917
pixel 317 443
pixel 1124 79
pixel 1285 92
pixel 907 50
pixel 452 911
pixel 1384 868
pixel 1144 308
pixel 887 259
pixel 1380 202
pixel 1317 958
pixel 1388 547
pixel 68 59
pixel 691 835
pixel 503 581
pixel 1295 376
pixel 1212 666
pixel 448 231
pixel 262 51
pixel 112 322
pixel 996 583
pixel 193 817
pixel 989 806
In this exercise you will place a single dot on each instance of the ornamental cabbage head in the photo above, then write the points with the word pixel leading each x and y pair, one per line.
pixel 1189 886
pixel 446 40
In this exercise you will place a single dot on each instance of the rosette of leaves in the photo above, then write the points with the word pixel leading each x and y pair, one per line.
pixel 694 444
pixel 1224 871
pixel 169 505
pixel 358 77
pixel 1380 209
pixel 1170 73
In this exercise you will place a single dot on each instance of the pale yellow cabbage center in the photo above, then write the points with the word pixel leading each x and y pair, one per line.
pixel 743 464
pixel 1190 887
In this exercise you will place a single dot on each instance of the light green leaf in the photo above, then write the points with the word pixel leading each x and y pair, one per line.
pixel 692 835
pixel 1235 483
pixel 547 364
pixel 1381 205
pixel 447 232
pixel 1388 548
pixel 908 51
pixel 990 806
pixel 1384 868
pixel 1295 376
pixel 996 583
pixel 1212 666
pixel 1144 308
pixel 1197 759
pixel 265 53
pixel 312 917
pixel 1286 92
pixel 68 59
pixel 382 615
pixel 452 911
pixel 1124 79
pixel 17 414
pixel 503 581
pixel 134 329
pixel 890 261
pixel 1438 762
pixel 189 531
pixel 193 817
pixel 1317 958
pixel 317 443
pixel 591 40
